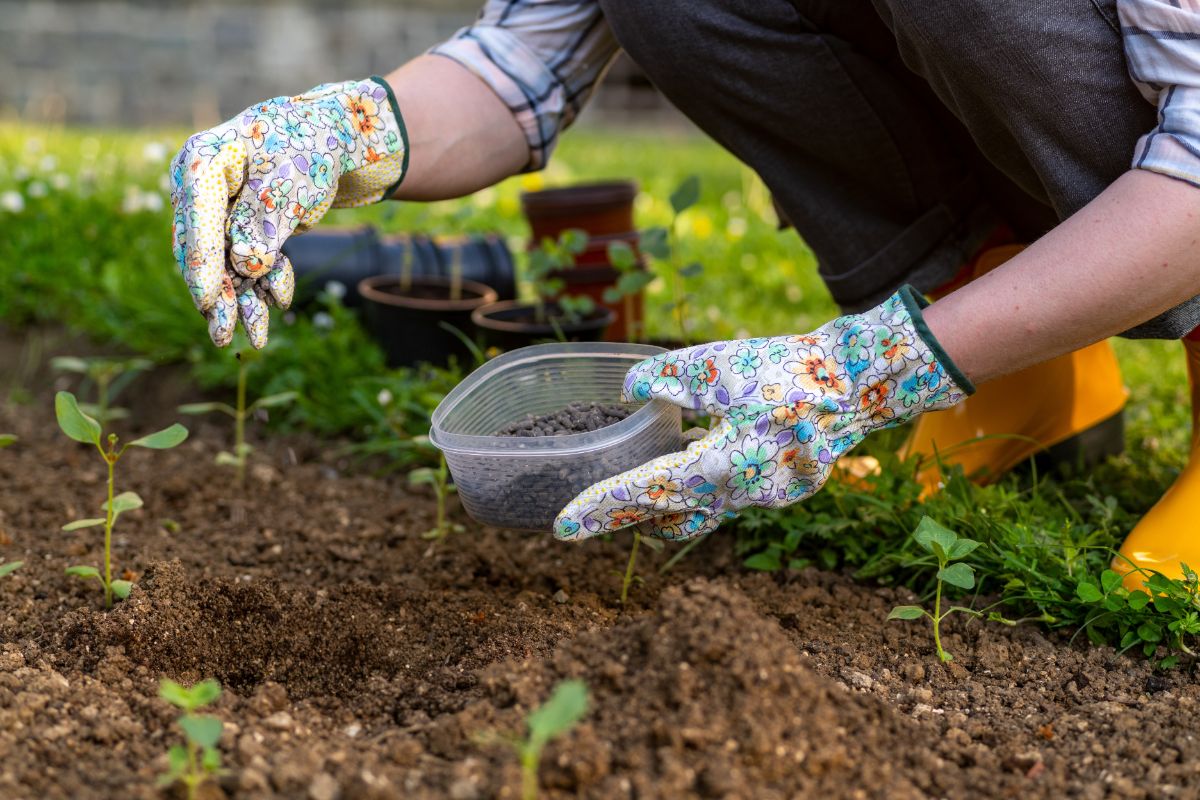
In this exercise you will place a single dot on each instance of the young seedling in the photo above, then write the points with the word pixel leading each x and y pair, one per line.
pixel 662 244
pixel 110 376
pixel 949 549
pixel 629 577
pixel 10 567
pixel 630 283
pixel 7 440
pixel 239 414
pixel 198 760
pixel 83 428
pixel 548 258
pixel 566 707
pixel 439 479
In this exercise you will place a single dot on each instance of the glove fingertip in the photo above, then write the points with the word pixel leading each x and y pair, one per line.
pixel 281 282
pixel 255 317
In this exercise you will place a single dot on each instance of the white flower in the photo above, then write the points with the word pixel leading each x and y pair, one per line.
pixel 60 181
pixel 322 320
pixel 47 164
pixel 37 189
pixel 384 397
pixel 154 151
pixel 12 201
pixel 20 173
pixel 335 289
pixel 131 203
pixel 152 201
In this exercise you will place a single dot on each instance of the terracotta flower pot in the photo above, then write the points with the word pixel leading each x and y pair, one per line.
pixel 418 325
pixel 511 324
pixel 599 209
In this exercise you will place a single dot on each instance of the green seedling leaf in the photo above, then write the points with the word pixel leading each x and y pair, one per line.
pixel 274 400
pixel 164 439
pixel 121 589
pixel 621 256
pixel 205 692
pixel 656 242
pixel 960 575
pixel 934 536
pixel 207 408
pixel 80 524
pixel 559 714
pixel 125 501
pixel 211 760
pixel 686 194
pixel 573 240
pixel 1110 580
pixel 653 543
pixel 174 694
pixel 1088 591
pixel 633 282
pixel 84 572
pixel 201 729
pixel 69 364
pixel 767 561
pixel 691 270
pixel 1149 632
pixel 226 459
pixel 7 440
pixel 10 567
pixel 177 764
pixel 1138 599
pixel 73 422
pixel 906 612
pixel 962 548
pixel 422 475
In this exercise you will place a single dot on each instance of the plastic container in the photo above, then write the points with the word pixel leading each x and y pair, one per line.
pixel 522 482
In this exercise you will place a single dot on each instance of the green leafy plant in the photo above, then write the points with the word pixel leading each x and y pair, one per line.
pixel 631 281
pixel 549 258
pixel 239 413
pixel 1123 612
pixel 197 760
pixel 83 428
pixel 663 244
pixel 949 549
pixel 7 440
pixel 10 567
pixel 439 478
pixel 629 577
pixel 110 376
pixel 568 704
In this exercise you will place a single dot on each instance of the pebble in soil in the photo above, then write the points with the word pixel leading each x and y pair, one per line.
pixel 575 418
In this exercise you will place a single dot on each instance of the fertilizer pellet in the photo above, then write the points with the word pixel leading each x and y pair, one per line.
pixel 575 418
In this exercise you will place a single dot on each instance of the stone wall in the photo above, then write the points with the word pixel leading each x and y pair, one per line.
pixel 130 63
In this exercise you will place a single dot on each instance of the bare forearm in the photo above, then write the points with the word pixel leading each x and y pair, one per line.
pixel 461 136
pixel 1124 258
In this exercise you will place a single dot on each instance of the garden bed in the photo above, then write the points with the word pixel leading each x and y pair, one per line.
pixel 360 660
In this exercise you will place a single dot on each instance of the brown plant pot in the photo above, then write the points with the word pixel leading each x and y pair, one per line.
pixel 599 209
pixel 511 324
pixel 418 325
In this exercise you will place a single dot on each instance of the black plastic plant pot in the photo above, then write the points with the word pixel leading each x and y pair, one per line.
pixel 339 256
pixel 422 324
pixel 482 257
pixel 511 324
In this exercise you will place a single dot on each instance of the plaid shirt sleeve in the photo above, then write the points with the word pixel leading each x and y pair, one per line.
pixel 1162 46
pixel 542 57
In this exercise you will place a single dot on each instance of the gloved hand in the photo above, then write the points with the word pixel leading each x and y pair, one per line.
pixel 240 189
pixel 786 409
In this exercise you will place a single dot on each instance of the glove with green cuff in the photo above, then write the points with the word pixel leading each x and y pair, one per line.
pixel 240 189
pixel 785 409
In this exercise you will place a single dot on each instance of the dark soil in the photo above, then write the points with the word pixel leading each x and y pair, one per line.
pixel 361 661
pixel 575 418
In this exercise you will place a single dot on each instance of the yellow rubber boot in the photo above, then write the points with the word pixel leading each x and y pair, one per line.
pixel 1070 405
pixel 1169 535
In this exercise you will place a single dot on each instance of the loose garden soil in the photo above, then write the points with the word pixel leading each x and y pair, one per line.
pixel 361 661
pixel 575 418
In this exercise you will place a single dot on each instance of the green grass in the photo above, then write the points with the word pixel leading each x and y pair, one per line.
pixel 90 249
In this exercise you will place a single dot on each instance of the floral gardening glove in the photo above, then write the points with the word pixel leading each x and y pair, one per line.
pixel 787 407
pixel 240 189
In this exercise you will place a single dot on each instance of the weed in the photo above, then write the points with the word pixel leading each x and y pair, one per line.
pixel 197 760
pixel 439 479
pixel 239 413
pixel 82 428
pixel 949 549
pixel 110 376
pixel 567 705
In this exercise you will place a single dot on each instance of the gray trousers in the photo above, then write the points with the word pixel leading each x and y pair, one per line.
pixel 896 135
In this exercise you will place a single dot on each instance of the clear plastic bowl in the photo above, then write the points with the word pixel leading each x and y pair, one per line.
pixel 523 482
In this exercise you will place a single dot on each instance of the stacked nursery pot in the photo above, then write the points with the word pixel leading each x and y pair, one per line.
pixel 604 211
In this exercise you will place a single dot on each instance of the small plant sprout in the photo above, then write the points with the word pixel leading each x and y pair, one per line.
pixel 239 414
pixel 10 567
pixel 110 376
pixel 544 261
pixel 7 440
pixel 948 548
pixel 198 760
pixel 630 282
pixel 567 705
pixel 82 428
pixel 439 478
pixel 661 243
pixel 630 577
